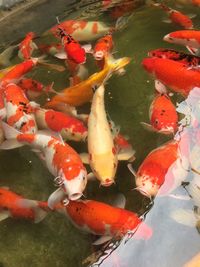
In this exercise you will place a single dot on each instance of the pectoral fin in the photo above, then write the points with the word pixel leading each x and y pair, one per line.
pixel 160 87
pixel 4 215
pixel 148 127
pixel 193 51
pixel 61 55
pixel 127 154
pixel 55 198
pixel 101 240
pixel 84 158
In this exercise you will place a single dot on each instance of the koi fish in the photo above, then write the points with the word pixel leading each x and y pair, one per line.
pixel 27 46
pixel 52 49
pixel 188 59
pixel 162 115
pixel 176 75
pixel 61 160
pixel 122 9
pixel 195 261
pixel 2 106
pixel 196 2
pixel 17 207
pixel 121 142
pixel 102 219
pixel 33 88
pixel 176 17
pixel 68 126
pixel 82 93
pixel 78 72
pixel 82 30
pixel 19 111
pixel 103 46
pixel 103 157
pixel 188 38
pixel 72 48
pixel 152 172
pixel 18 71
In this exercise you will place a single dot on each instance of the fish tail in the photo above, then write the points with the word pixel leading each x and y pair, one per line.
pixel 11 135
pixel 43 62
pixel 116 65
pixel 49 88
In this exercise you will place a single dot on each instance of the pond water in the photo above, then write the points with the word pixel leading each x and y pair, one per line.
pixel 55 241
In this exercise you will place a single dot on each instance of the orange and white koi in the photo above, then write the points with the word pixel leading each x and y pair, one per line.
pixel 177 75
pixel 176 16
pixel 163 115
pixel 34 88
pixel 82 30
pixel 27 46
pixel 104 220
pixel 188 38
pixel 82 92
pixel 103 157
pixel 68 126
pixel 61 160
pixel 17 207
pixel 152 173
pixel 19 111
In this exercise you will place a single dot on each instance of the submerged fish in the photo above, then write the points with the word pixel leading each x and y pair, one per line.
pixel 27 46
pixel 61 160
pixel 103 46
pixel 188 38
pixel 82 30
pixel 68 126
pixel 82 92
pixel 17 207
pixel 176 16
pixel 152 172
pixel 19 111
pixel 102 219
pixel 103 155
pixel 178 76
pixel 163 115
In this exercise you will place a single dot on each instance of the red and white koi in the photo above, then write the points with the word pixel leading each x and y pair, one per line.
pixel 27 46
pixel 104 220
pixel 188 38
pixel 103 46
pixel 152 173
pixel 68 126
pixel 61 160
pixel 19 111
pixel 176 16
pixel 163 116
pixel 17 207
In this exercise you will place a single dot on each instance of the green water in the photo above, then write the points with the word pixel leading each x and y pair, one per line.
pixel 54 242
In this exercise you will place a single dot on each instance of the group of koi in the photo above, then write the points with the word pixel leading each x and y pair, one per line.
pixel 47 129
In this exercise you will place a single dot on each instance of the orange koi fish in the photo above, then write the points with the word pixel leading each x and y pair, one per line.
pixel 163 116
pixel 188 38
pixel 82 92
pixel 102 219
pixel 19 111
pixel 27 46
pixel 103 46
pixel 152 172
pixel 122 9
pixel 68 126
pixel 61 160
pixel 176 75
pixel 18 71
pixel 33 88
pixel 176 17
pixel 72 48
pixel 17 207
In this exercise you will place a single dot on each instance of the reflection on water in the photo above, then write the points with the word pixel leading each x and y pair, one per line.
pixel 55 242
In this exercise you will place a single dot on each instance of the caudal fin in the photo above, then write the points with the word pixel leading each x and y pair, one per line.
pixel 11 135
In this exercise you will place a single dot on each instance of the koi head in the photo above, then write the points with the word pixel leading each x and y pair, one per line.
pixel 149 179
pixel 149 64
pixel 74 187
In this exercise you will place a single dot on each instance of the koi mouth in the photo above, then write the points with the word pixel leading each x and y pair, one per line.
pixel 107 182
pixel 75 196
pixel 98 55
